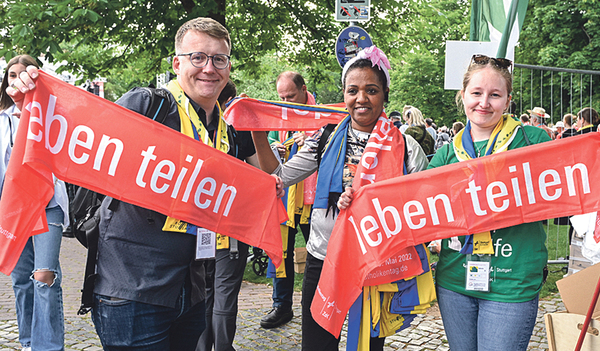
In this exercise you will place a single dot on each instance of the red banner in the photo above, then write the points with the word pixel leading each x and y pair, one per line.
pixel 89 141
pixel 548 180
pixel 252 114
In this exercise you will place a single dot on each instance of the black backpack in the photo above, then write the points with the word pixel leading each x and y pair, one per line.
pixel 85 208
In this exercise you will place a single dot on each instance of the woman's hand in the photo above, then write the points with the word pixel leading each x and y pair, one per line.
pixel 345 199
pixel 21 85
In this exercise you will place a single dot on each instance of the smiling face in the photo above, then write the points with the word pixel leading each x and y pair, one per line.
pixel 202 85
pixel 364 96
pixel 485 98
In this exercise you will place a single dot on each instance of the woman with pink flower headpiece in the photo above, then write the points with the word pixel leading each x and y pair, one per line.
pixel 366 82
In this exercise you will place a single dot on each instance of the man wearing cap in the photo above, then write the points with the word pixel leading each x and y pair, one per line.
pixel 538 114
pixel 395 118
pixel 558 129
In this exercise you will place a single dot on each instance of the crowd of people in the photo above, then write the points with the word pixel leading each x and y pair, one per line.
pixel 151 292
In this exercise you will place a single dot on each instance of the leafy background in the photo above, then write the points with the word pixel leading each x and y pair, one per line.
pixel 130 41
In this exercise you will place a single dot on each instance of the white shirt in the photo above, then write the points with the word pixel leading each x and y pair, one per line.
pixel 8 132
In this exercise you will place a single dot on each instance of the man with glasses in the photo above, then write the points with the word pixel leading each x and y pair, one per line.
pixel 150 288
pixel 145 259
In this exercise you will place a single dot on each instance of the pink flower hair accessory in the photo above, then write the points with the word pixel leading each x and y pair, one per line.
pixel 376 56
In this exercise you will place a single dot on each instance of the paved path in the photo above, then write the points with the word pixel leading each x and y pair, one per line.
pixel 426 333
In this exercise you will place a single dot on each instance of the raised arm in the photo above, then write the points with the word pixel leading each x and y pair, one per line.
pixel 267 160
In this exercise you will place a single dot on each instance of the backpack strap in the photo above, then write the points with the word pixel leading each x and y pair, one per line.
pixel 159 104
pixel 89 278
pixel 323 141
pixel 404 169
pixel 526 137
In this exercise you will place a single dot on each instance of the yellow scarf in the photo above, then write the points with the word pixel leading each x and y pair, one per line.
pixel 499 140
pixel 295 205
pixel 190 122
pixel 503 134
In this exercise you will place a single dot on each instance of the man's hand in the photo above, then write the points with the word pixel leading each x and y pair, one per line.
pixel 345 199
pixel 280 149
pixel 299 138
pixel 278 186
pixel 23 84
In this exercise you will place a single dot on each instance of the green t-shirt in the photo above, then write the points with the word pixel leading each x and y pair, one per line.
pixel 516 268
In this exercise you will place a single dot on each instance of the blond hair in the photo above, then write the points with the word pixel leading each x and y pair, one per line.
pixel 476 67
pixel 203 25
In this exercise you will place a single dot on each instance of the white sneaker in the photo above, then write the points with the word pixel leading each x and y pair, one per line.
pixel 26 349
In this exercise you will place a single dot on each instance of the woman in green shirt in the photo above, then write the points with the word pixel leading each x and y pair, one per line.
pixel 489 301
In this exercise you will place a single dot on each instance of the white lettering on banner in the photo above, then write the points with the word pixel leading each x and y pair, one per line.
pixel 82 136
pixel 163 173
pixel 369 225
pixel 548 185
pixel 284 113
pixel 387 220
pixel 372 149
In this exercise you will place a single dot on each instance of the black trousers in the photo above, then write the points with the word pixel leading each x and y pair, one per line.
pixel 314 337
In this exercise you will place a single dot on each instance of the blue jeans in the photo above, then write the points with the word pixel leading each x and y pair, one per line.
pixel 482 325
pixel 283 288
pixel 131 325
pixel 39 306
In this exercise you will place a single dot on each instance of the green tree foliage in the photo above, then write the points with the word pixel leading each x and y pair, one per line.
pixel 561 34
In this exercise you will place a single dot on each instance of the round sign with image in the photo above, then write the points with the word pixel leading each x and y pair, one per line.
pixel 350 41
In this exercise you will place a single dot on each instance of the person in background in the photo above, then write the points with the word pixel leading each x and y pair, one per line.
pixel 502 316
pixel 443 137
pixel 587 121
pixel 418 131
pixel 431 128
pixel 291 87
pixel 538 118
pixel 37 277
pixel 569 129
pixel 225 272
pixel 558 129
pixel 457 127
pixel 395 118
pixel 525 119
pixel 365 80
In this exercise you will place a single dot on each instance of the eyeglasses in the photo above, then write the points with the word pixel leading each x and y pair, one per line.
pixel 200 59
pixel 498 62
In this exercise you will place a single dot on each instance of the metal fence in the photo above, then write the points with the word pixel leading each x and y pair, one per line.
pixel 559 91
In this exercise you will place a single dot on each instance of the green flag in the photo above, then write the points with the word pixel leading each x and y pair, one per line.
pixel 494 20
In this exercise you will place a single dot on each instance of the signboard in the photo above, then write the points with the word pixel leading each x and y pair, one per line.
pixel 458 58
pixel 350 41
pixel 352 10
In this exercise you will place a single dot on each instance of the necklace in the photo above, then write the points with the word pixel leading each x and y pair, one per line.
pixel 360 141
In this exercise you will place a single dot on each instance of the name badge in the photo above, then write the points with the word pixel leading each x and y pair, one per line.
pixel 478 273
pixel 206 243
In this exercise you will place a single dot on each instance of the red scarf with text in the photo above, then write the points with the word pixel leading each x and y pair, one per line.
pixel 253 114
pixel 473 196
pixel 94 143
